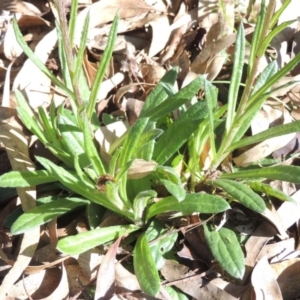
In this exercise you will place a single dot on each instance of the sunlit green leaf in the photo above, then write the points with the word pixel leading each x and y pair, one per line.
pixel 178 132
pixel 283 173
pixel 203 203
pixel 164 243
pixel 242 193
pixel 25 178
pixel 144 267
pixel 226 249
pixel 45 213
pixel 84 241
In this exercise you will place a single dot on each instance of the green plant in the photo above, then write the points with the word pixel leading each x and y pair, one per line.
pixel 69 135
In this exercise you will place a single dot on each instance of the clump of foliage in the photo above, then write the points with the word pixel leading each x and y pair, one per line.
pixel 148 153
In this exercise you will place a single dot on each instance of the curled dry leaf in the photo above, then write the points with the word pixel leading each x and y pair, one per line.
pixel 141 168
pixel 264 281
pixel 105 285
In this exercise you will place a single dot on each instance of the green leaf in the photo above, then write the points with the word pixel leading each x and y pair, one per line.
pixel 129 149
pixel 94 214
pixel 174 102
pixel 227 250
pixel 242 193
pixel 202 203
pixel 238 63
pixel 158 94
pixel 176 190
pixel 25 178
pixel 178 132
pixel 256 36
pixel 267 73
pixel 278 12
pixel 263 47
pixel 211 100
pixel 161 241
pixel 106 57
pixel 71 181
pixel 144 267
pixel 270 191
pixel 72 21
pixel 140 203
pixel 84 241
pixel 175 294
pixel 91 151
pixel 45 213
pixel 82 47
pixel 283 173
pixel 37 61
pixel 267 134
pixel 132 140
pixel 28 118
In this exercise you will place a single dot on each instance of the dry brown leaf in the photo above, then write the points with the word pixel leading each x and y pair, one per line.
pixel 104 11
pixel 141 168
pixel 288 273
pixel 267 147
pixel 62 290
pixel 37 85
pixel 263 233
pixel 264 282
pixel 278 251
pixel 290 212
pixel 89 262
pixel 17 149
pixel 105 284
pixel 106 135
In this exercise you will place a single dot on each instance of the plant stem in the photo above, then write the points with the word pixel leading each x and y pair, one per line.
pixel 229 138
pixel 67 47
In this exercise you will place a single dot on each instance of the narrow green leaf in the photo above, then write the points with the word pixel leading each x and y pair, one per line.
pixel 202 203
pixel 176 190
pixel 211 100
pixel 94 214
pixel 174 102
pixel 140 203
pixel 72 182
pixel 267 73
pixel 275 78
pixel 238 63
pixel 73 139
pixel 242 193
pixel 270 191
pixel 178 132
pixel 72 21
pixel 267 134
pixel 28 118
pixel 161 241
pixel 158 94
pixel 45 213
pixel 256 36
pixel 132 140
pixel 283 173
pixel 84 241
pixel 144 267
pixel 263 47
pixel 106 57
pixel 91 151
pixel 49 131
pixel 226 249
pixel 278 13
pixel 37 61
pixel 79 57
pixel 25 178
